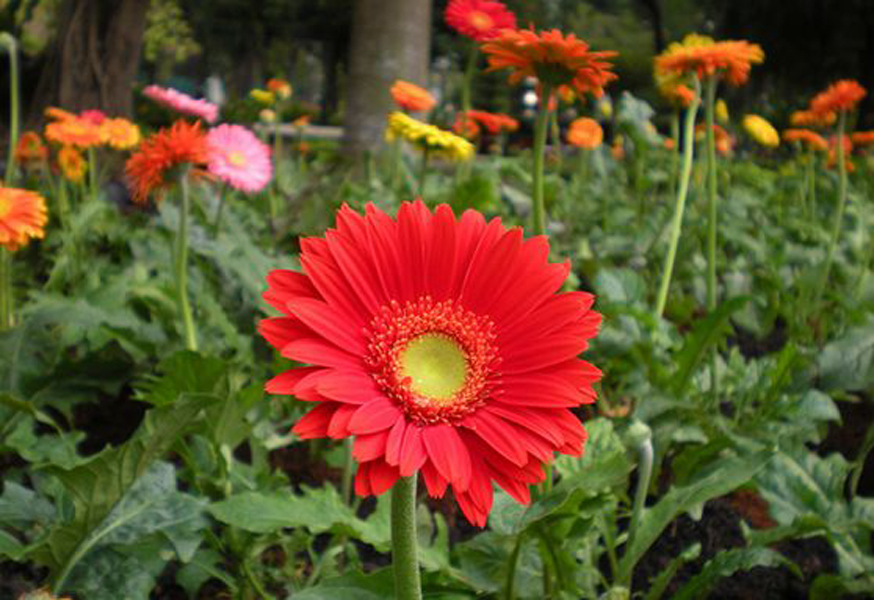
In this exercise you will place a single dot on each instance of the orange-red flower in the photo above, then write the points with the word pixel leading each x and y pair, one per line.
pixel 808 118
pixel 479 19
pixel 730 60
pixel 841 95
pixel 442 344
pixel 73 131
pixel 73 165
pixel 832 161
pixel 22 217
pixel 722 139
pixel 557 60
pixel 280 87
pixel 808 138
pixel 465 126
pixel 58 114
pixel 585 133
pixel 862 138
pixel 410 96
pixel 119 133
pixel 30 148
pixel 494 123
pixel 181 144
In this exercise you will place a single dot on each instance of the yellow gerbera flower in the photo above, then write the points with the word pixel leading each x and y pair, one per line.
pixel 761 131
pixel 436 141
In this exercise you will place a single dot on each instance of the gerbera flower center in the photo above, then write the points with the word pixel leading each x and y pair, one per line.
pixel 481 20
pixel 436 360
pixel 436 366
pixel 237 158
pixel 5 206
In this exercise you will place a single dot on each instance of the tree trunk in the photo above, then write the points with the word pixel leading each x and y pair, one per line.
pixel 95 57
pixel 391 39
pixel 658 33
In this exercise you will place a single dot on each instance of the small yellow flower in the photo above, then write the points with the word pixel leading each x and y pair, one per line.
pixel 267 115
pixel 73 164
pixel 119 133
pixel 761 131
pixel 436 141
pixel 721 110
pixel 263 96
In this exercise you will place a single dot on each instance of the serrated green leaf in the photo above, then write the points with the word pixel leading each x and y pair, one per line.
pixel 10 546
pixel 20 507
pixel 378 585
pixel 848 362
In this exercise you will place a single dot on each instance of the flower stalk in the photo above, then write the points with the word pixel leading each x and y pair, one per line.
pixel 680 205
pixel 839 213
pixel 423 172
pixel 712 201
pixel 5 289
pixel 540 130
pixel 181 259
pixel 14 119
pixel 404 540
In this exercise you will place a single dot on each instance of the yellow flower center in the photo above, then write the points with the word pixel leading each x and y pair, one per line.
pixel 236 158
pixel 481 20
pixel 5 205
pixel 436 365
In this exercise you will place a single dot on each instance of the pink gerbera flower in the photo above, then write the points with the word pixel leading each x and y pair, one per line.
pixel 239 158
pixel 93 116
pixel 182 103
pixel 442 345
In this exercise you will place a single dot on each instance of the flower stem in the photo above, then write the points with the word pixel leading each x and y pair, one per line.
pixel 423 172
pixel 12 47
pixel 540 129
pixel 680 206
pixel 675 151
pixel 839 214
pixel 408 585
pixel 92 173
pixel 181 256
pixel 510 586
pixel 709 104
pixel 5 289
pixel 467 83
pixel 644 473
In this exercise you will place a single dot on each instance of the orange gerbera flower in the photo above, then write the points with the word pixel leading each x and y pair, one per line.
pixel 280 87
pixel 862 138
pixel 465 126
pixel 301 121
pixel 30 148
pixel 479 19
pixel 585 133
pixel 494 123
pixel 58 114
pixel 730 59
pixel 808 118
pixel 74 131
pixel 555 59
pixel 722 139
pixel 841 95
pixel 182 143
pixel 808 138
pixel 73 165
pixel 22 216
pixel 119 133
pixel 410 96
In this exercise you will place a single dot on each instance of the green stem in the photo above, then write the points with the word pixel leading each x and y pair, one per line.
pixel 396 157
pixel 510 586
pixel 839 214
pixel 63 204
pixel 675 151
pixel 423 172
pixel 92 172
pixel 467 83
pixel 540 129
pixel 12 47
pixel 680 206
pixel 219 212
pixel 408 585
pixel 5 289
pixel 181 256
pixel 644 473
pixel 346 483
pixel 709 104
pixel 556 136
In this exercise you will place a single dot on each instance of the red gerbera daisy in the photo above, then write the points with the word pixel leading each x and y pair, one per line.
pixel 841 95
pixel 182 143
pixel 553 58
pixel 808 138
pixel 479 19
pixel 441 345
pixel 494 122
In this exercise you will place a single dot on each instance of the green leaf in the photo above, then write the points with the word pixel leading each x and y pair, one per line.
pixel 848 362
pixel 706 334
pixel 45 450
pixel 21 507
pixel 828 587
pixel 98 486
pixel 183 374
pixel 726 475
pixel 660 582
pixel 108 574
pixel 378 585
pixel 729 562
pixel 620 286
pixel 10 546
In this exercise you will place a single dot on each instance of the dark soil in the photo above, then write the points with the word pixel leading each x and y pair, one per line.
pixel 847 436
pixel 752 347
pixel 720 529
pixel 110 421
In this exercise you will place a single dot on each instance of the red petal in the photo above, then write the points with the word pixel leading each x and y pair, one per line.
pixel 434 482
pixel 395 442
pixel 413 453
pixel 280 331
pixel 314 424
pixel 377 415
pixel 284 285
pixel 352 262
pixel 492 267
pixel 441 263
pixel 284 383
pixel 449 454
pixel 339 426
pixel 498 434
pixel 325 321
pixel 369 447
pixel 318 351
pixel 362 480
pixel 347 386
pixel 382 477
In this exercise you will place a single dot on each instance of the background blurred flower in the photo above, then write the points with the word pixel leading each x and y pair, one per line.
pixel 479 19
pixel 494 123
pixel 73 131
pixel 280 87
pixel 119 133
pixel 22 217
pixel 730 60
pixel 30 148
pixel 239 158
pixel 410 96
pixel 428 137
pixel 263 96
pixel 73 165
pixel 808 138
pixel 841 95
pixel 761 131
pixel 808 118
pixel 585 133
pixel 182 103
